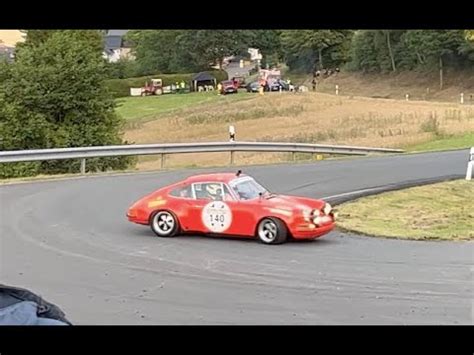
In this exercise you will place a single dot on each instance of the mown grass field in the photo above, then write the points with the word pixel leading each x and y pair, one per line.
pixel 294 117
pixel 414 213
pixel 132 108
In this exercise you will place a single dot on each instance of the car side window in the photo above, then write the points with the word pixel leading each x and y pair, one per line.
pixel 216 191
pixel 227 195
pixel 183 191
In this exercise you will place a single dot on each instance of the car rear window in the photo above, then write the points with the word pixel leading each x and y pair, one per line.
pixel 183 191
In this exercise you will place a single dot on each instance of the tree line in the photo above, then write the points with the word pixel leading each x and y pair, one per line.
pixel 172 51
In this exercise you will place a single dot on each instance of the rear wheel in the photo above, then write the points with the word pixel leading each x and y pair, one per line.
pixel 272 231
pixel 164 224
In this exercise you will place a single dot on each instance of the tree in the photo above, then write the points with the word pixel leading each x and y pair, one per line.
pixel 212 46
pixel 390 52
pixel 466 50
pixel 435 46
pixel 156 50
pixel 269 44
pixel 54 96
pixel 178 51
pixel 36 37
pixel 305 49
pixel 380 51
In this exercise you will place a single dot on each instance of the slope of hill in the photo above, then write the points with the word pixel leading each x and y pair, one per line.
pixel 418 85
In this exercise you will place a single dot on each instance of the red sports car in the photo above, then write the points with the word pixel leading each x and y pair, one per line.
pixel 231 204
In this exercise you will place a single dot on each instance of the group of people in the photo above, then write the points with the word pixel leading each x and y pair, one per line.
pixel 317 73
pixel 325 72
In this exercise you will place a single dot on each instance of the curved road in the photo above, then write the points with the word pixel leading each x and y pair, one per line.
pixel 69 241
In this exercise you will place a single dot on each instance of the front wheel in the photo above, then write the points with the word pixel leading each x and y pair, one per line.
pixel 164 224
pixel 272 231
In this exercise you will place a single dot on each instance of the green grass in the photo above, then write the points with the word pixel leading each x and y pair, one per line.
pixel 132 108
pixel 447 142
pixel 440 211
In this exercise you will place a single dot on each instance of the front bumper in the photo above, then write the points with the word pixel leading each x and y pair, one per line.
pixel 314 227
pixel 310 231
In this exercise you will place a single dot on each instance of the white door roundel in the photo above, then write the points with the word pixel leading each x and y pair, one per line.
pixel 216 216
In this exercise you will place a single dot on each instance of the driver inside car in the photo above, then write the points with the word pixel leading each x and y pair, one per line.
pixel 215 193
pixel 242 195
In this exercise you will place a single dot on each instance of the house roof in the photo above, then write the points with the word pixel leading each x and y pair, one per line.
pixel 113 42
pixel 116 32
pixel 203 76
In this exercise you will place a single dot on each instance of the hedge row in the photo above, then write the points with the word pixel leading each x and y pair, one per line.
pixel 121 87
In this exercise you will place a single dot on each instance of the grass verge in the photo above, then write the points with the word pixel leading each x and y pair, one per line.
pixel 441 211
pixel 445 142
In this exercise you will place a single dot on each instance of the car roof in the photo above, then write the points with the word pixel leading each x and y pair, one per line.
pixel 218 177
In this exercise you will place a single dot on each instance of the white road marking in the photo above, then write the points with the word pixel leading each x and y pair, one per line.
pixel 352 193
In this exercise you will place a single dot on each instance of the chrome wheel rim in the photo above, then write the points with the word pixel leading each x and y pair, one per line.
pixel 163 223
pixel 267 231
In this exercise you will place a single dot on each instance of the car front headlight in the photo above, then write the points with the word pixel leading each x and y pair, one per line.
pixel 327 209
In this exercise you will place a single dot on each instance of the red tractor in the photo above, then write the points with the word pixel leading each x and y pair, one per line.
pixel 154 88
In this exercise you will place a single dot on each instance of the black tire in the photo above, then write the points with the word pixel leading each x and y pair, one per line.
pixel 164 224
pixel 276 231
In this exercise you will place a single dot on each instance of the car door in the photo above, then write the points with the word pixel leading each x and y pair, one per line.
pixel 195 206
pixel 244 218
pixel 220 213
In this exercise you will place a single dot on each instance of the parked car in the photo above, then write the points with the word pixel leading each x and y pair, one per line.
pixel 229 87
pixel 240 80
pixel 253 87
pixel 276 84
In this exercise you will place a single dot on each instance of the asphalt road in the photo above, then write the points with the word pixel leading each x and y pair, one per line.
pixel 70 242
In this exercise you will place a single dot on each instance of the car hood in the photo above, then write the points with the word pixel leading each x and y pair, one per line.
pixel 292 202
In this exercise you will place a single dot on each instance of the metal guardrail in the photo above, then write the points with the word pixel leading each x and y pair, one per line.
pixel 179 148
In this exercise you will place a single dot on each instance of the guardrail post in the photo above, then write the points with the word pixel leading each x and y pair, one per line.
pixel 162 164
pixel 470 164
pixel 83 166
pixel 231 157
pixel 293 156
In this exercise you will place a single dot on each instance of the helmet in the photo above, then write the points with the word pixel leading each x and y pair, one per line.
pixel 212 189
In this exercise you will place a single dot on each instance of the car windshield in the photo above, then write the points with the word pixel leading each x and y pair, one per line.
pixel 247 188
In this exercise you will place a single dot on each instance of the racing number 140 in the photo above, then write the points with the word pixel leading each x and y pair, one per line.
pixel 217 218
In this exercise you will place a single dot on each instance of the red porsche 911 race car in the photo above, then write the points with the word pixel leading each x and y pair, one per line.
pixel 234 205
